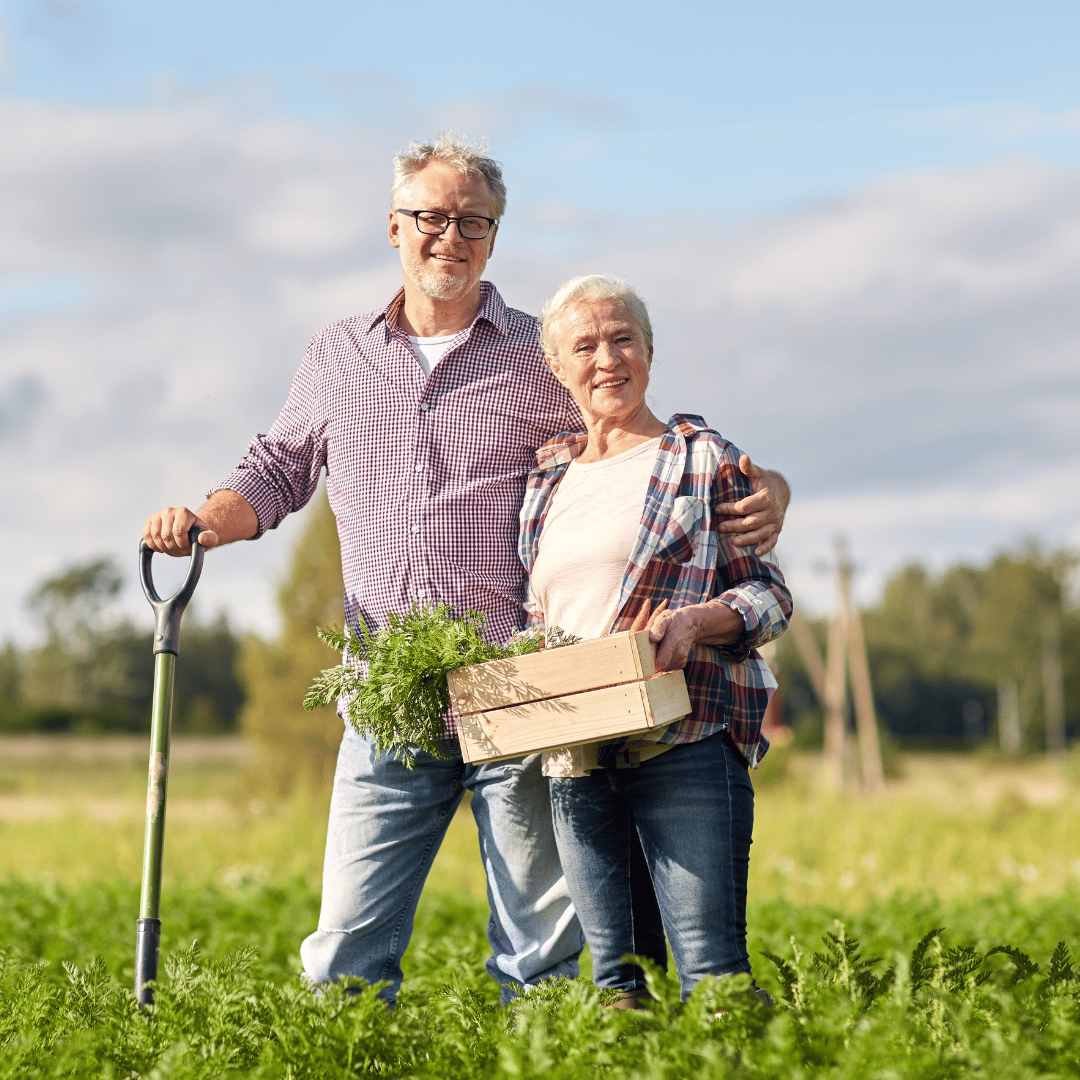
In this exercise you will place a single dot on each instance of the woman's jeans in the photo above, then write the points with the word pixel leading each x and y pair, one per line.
pixel 693 810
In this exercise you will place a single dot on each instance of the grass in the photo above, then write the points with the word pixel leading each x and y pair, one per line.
pixel 230 1003
pixel 957 827
pixel 985 848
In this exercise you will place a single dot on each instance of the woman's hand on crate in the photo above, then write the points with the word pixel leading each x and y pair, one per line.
pixel 675 633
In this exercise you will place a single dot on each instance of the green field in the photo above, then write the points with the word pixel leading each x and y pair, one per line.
pixel 987 849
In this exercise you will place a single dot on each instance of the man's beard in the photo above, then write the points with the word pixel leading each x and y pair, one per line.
pixel 436 285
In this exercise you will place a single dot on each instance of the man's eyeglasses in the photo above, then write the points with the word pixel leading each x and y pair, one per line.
pixel 434 224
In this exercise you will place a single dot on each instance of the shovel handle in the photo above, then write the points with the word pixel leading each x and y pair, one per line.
pixel 168 612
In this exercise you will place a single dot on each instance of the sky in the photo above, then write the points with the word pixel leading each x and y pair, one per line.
pixel 857 226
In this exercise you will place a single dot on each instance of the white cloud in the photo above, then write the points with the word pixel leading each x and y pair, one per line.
pixel 932 524
pixel 1004 123
pixel 909 352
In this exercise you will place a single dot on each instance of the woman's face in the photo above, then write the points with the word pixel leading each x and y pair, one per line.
pixel 602 359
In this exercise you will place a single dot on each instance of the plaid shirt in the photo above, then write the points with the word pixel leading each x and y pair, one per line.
pixel 425 473
pixel 680 555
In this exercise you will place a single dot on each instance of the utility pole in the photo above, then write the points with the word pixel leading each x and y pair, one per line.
pixel 835 701
pixel 808 650
pixel 1009 716
pixel 1053 683
pixel 873 775
pixel 846 654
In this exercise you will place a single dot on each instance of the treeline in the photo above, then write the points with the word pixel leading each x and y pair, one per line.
pixel 945 650
pixel 958 656
pixel 94 675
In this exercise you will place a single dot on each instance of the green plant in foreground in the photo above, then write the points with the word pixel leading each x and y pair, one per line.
pixel 394 681
pixel 234 1005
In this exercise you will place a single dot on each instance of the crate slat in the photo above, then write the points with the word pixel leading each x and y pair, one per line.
pixel 607 661
pixel 567 720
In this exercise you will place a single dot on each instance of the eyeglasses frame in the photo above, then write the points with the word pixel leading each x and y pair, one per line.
pixel 415 215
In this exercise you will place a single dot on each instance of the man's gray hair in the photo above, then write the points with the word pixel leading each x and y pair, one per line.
pixel 589 290
pixel 470 159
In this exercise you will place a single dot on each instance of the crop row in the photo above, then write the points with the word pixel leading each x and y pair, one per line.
pixel 912 1001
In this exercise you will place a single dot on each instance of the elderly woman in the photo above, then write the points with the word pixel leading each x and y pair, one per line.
pixel 619 522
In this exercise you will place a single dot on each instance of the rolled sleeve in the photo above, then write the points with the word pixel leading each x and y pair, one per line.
pixel 765 610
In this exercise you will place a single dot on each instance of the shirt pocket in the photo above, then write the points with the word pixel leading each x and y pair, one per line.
pixel 678 540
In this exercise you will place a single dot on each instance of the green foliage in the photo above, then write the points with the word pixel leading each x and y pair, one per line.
pixel 71 602
pixel 297 749
pixel 395 679
pixel 938 642
pixel 94 674
pixel 229 1002
pixel 939 645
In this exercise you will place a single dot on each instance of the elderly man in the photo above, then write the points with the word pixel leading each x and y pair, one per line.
pixel 426 415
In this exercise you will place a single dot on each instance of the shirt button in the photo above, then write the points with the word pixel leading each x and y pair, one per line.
pixel 425 405
pixel 416 528
pixel 418 468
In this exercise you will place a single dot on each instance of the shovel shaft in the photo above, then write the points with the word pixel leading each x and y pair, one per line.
pixel 149 924
pixel 157 784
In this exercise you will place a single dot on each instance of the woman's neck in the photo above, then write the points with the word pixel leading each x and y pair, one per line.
pixel 610 437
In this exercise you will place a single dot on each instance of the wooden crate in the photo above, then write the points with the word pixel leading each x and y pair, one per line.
pixel 560 697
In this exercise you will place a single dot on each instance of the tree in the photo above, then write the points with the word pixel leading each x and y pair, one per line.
pixel 941 645
pixel 94 674
pixel 70 682
pixel 10 686
pixel 298 749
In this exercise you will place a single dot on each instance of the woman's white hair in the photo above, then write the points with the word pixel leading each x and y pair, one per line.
pixel 588 290
pixel 470 159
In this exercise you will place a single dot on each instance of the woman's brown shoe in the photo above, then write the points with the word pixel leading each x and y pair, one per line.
pixel 630 999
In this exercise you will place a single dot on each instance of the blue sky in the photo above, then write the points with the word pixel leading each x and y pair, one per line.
pixel 772 102
pixel 857 225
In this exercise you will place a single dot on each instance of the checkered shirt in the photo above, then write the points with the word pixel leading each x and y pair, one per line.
pixel 425 474
pixel 680 555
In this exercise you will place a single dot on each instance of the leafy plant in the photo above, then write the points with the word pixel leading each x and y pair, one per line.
pixel 394 681
pixel 225 1011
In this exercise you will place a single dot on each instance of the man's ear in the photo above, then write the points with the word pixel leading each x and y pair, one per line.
pixel 556 367
pixel 491 239
pixel 393 230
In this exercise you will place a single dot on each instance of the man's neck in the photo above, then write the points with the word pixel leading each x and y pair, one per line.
pixel 423 316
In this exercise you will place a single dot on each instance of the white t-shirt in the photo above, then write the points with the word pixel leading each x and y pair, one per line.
pixel 589 531
pixel 430 350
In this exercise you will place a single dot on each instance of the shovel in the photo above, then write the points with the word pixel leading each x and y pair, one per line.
pixel 166 645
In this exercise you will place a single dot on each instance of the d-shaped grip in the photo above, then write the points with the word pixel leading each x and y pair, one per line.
pixel 169 612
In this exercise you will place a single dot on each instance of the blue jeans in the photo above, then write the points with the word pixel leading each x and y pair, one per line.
pixel 693 809
pixel 386 824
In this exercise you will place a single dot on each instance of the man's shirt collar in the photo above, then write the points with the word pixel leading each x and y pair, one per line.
pixel 492 310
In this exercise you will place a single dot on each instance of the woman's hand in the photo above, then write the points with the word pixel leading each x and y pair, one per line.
pixel 675 633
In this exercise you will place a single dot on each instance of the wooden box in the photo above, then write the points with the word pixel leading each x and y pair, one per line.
pixel 580 693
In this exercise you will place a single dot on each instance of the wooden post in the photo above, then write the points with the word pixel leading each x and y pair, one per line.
pixel 1053 683
pixel 1009 716
pixel 811 658
pixel 846 655
pixel 835 698
pixel 873 774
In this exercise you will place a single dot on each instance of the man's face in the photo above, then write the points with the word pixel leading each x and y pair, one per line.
pixel 446 267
